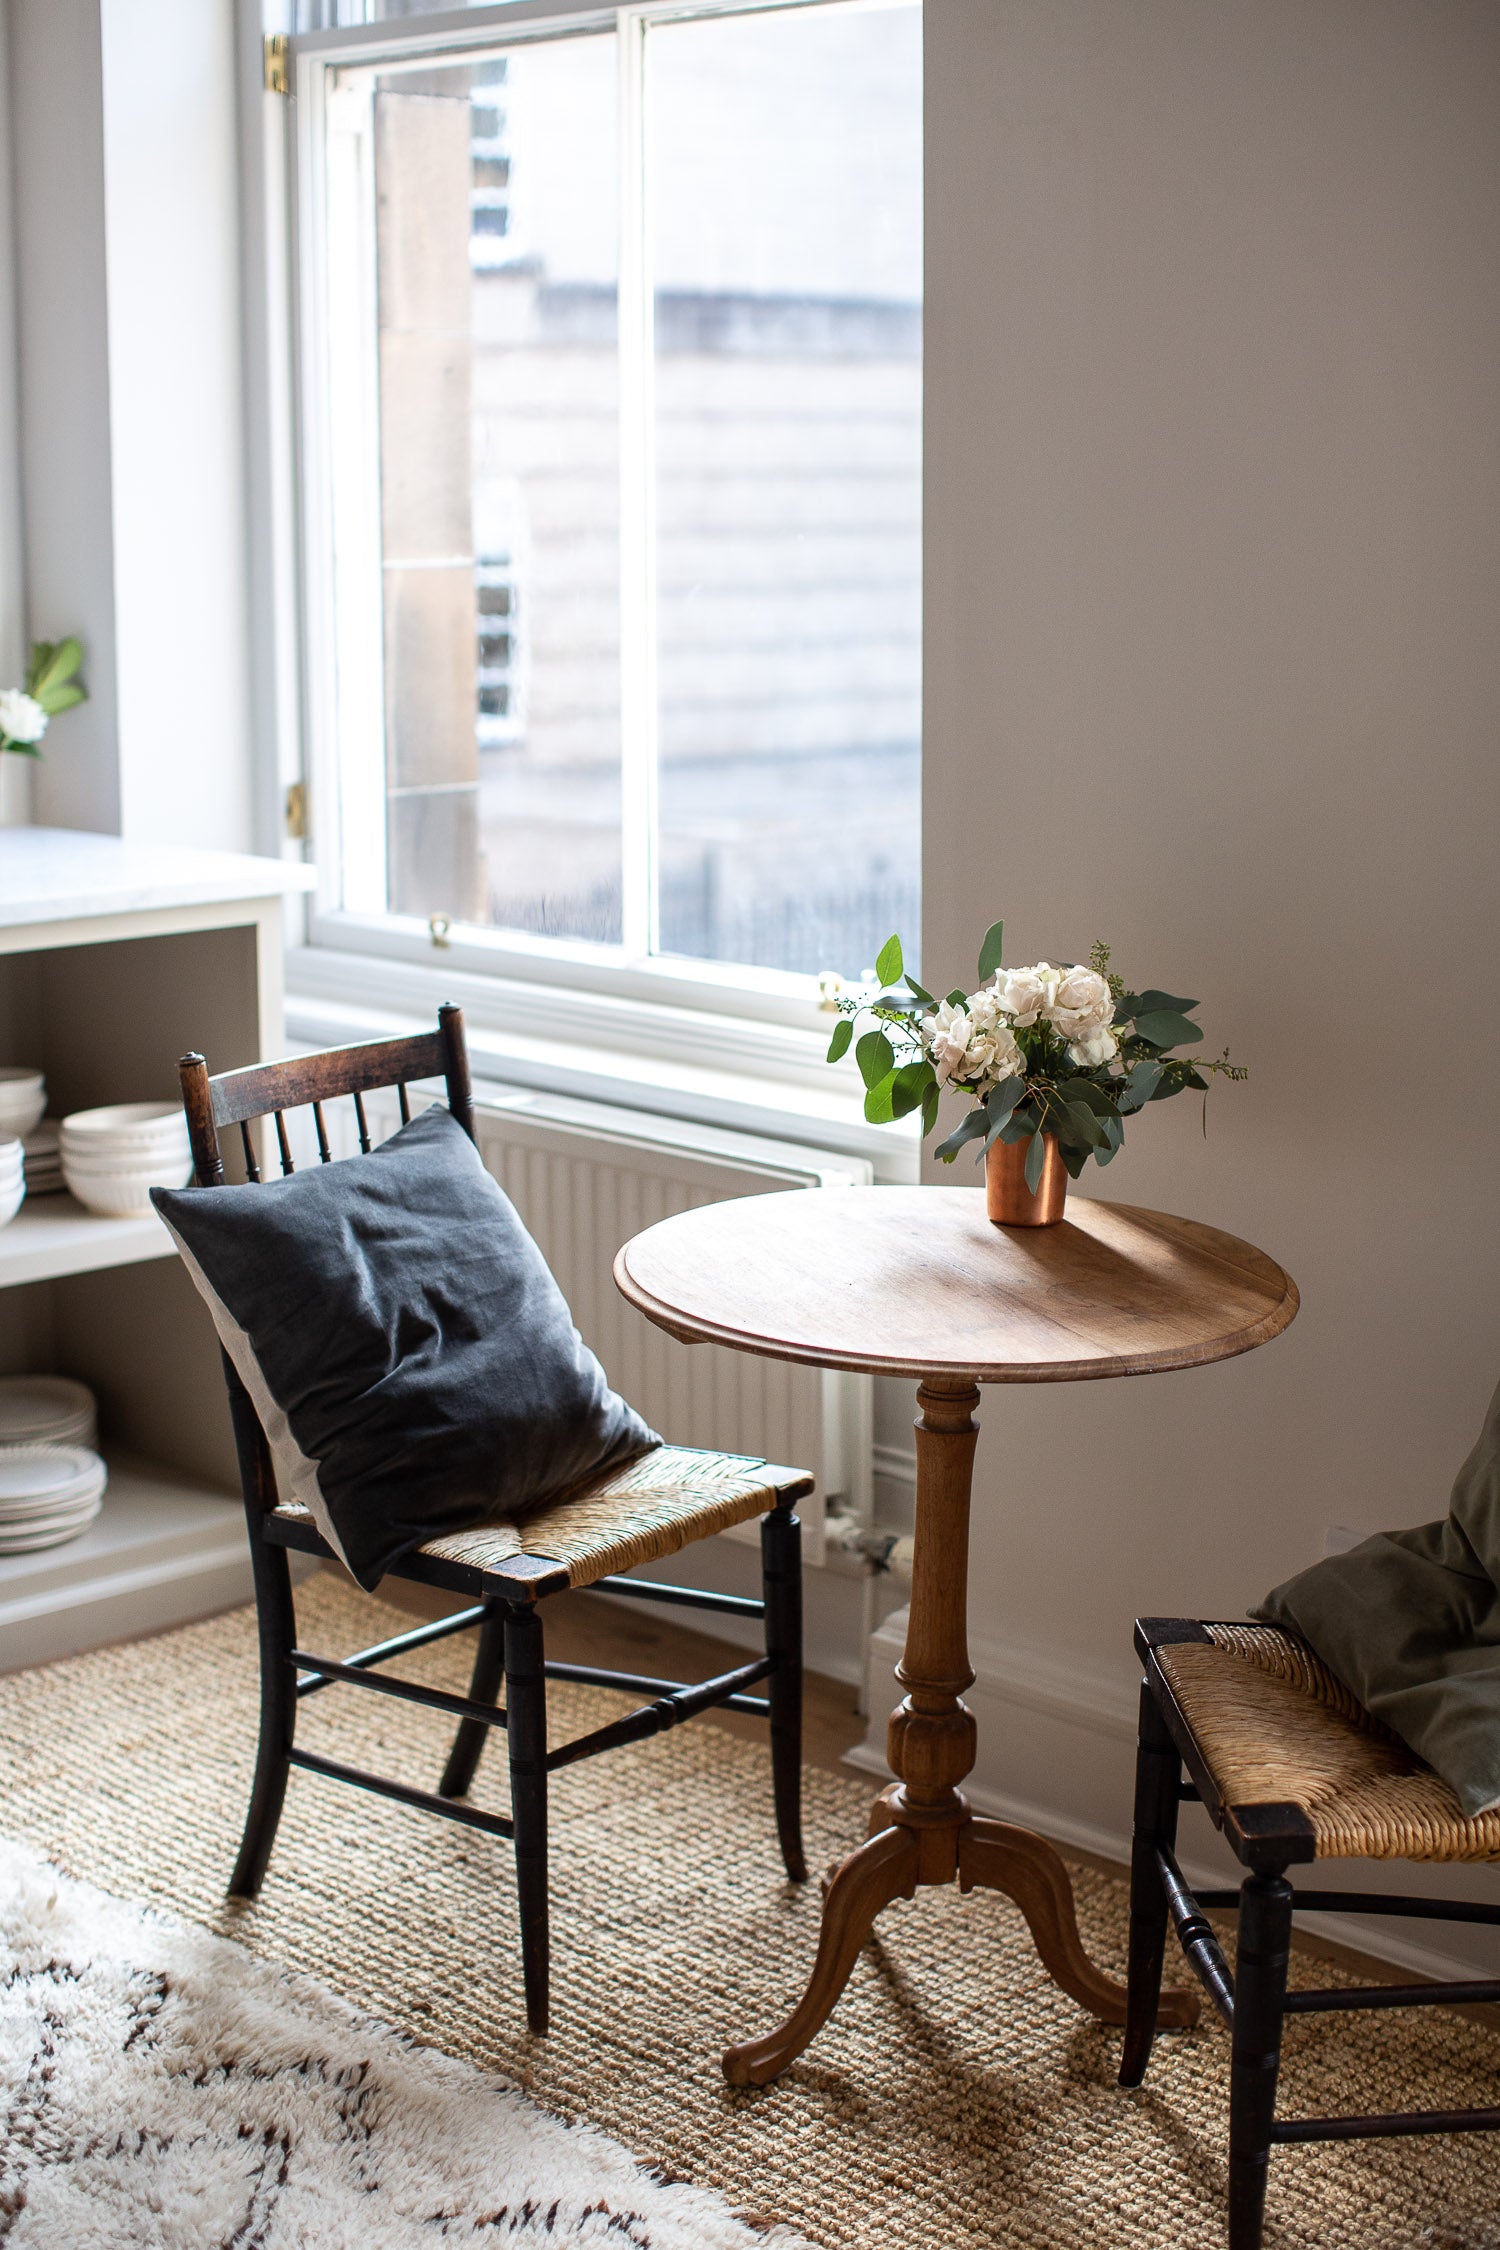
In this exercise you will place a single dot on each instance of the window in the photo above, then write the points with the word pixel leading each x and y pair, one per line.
pixel 612 344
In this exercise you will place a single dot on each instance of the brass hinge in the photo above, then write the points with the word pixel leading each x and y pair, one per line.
pixel 296 811
pixel 277 50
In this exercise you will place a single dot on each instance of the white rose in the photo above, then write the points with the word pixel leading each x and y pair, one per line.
pixel 984 1008
pixel 22 718
pixel 947 1035
pixel 1081 1002
pixel 1022 994
pixel 1093 1050
pixel 1004 1059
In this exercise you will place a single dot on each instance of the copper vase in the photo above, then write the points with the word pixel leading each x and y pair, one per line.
pixel 1008 1201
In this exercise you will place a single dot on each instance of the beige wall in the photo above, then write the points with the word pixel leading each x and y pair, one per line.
pixel 1213 666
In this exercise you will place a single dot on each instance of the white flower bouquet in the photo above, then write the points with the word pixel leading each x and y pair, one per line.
pixel 1051 1051
pixel 52 685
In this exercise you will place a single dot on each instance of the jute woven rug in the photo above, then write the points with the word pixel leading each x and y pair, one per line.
pixel 956 2099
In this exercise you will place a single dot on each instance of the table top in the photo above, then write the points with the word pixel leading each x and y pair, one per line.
pixel 916 1281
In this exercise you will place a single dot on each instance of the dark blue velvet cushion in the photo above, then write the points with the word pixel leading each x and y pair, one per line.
pixel 414 1363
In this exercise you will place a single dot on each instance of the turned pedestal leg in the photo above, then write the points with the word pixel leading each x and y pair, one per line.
pixel 922 1830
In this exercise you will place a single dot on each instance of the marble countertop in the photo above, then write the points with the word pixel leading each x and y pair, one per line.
pixel 64 874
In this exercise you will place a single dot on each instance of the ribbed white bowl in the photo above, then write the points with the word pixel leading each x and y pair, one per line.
pixel 117 1190
pixel 12 1196
pixel 124 1125
pixel 23 1099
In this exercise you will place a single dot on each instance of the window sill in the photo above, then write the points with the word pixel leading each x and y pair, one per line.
pixel 670 1062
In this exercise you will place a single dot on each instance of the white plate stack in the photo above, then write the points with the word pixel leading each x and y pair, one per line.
pixel 44 1173
pixel 51 1480
pixel 12 1180
pixel 112 1158
pixel 48 1493
pixel 47 1410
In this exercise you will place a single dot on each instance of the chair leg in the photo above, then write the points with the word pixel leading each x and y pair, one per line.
pixel 276 1623
pixel 526 1738
pixel 781 1571
pixel 1259 1995
pixel 1158 1773
pixel 484 1687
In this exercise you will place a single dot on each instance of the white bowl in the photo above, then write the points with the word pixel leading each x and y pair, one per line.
pixel 12 1196
pixel 124 1125
pixel 123 1191
pixel 23 1099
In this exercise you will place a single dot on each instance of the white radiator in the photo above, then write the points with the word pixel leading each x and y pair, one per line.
pixel 585 1178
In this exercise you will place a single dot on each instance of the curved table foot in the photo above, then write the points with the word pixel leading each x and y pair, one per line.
pixel 881 1870
pixel 998 1857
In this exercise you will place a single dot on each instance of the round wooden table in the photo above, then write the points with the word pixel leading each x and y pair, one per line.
pixel 917 1282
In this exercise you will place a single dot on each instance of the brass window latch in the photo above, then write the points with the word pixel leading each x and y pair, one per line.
pixel 296 812
pixel 277 52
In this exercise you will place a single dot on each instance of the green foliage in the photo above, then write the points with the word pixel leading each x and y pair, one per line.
pixel 51 681
pixel 1084 1107
pixel 876 1058
pixel 888 961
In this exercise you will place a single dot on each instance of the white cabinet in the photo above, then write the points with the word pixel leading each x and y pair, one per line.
pixel 114 960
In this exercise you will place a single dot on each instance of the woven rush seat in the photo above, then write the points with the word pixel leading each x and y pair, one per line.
pixel 655 1505
pixel 1276 1727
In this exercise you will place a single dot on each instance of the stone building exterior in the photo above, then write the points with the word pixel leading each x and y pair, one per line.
pixel 787 339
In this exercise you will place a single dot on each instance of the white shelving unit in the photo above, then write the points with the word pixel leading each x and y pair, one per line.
pixel 114 959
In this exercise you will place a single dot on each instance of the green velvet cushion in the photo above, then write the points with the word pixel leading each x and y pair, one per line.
pixel 1410 1622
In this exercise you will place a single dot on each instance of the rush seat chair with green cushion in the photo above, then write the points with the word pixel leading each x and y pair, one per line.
pixel 630 1512
pixel 1292 1770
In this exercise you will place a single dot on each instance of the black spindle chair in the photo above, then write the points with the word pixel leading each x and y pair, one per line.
pixel 1291 1769
pixel 651 1508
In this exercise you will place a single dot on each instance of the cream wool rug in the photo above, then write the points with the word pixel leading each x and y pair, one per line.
pixel 160 2089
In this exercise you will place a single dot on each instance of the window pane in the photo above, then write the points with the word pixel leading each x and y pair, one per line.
pixel 785 196
pixel 497 259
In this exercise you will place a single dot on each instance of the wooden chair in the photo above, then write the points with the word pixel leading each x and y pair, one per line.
pixel 1291 1769
pixel 638 1514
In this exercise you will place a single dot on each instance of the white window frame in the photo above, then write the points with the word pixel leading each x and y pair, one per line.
pixel 638 988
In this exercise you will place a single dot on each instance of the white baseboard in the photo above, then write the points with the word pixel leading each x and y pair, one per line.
pixel 1087 1720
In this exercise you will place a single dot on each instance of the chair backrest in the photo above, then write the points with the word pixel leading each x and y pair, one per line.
pixel 243 1097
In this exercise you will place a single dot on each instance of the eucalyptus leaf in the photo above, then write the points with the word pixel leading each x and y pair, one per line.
pixel 1149 1001
pixel 930 1101
pixel 843 1032
pixel 1139 1087
pixel 1081 1124
pixel 888 961
pixel 991 951
pixel 1107 1154
pixel 876 1057
pixel 1088 1090
pixel 55 699
pixel 1002 1099
pixel 60 661
pixel 957 999
pixel 1036 1157
pixel 1018 1128
pixel 974 1124
pixel 1074 1159
pixel 879 1102
pixel 904 1098
pixel 919 992
pixel 1166 1027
